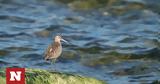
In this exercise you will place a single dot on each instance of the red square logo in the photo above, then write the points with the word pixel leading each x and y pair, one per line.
pixel 15 75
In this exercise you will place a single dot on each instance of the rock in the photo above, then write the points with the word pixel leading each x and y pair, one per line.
pixel 38 76
pixel 156 82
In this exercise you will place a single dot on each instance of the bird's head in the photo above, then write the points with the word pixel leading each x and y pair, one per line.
pixel 58 38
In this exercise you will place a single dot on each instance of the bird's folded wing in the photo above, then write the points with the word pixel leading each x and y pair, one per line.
pixel 47 51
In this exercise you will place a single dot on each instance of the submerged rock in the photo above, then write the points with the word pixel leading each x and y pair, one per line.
pixel 115 57
pixel 156 82
pixel 4 52
pixel 135 70
pixel 83 5
pixel 37 76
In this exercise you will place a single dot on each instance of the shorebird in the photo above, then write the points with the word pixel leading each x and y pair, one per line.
pixel 54 50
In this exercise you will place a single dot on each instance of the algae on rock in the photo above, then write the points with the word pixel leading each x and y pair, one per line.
pixel 38 76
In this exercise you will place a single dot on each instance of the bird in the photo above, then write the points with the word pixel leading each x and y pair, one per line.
pixel 54 50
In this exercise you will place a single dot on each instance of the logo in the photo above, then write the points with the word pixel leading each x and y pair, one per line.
pixel 15 75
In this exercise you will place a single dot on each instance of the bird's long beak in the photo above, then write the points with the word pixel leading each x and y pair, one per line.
pixel 64 40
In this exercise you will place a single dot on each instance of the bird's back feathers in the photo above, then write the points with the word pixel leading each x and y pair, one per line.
pixel 53 51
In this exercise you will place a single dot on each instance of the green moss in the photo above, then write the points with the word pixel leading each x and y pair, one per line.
pixel 83 5
pixel 2 76
pixel 38 76
pixel 3 80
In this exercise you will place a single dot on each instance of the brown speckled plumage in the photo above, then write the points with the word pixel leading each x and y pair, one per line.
pixel 55 49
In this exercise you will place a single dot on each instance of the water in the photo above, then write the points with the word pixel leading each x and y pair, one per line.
pixel 121 49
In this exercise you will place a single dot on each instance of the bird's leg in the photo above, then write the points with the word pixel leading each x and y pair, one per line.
pixel 53 63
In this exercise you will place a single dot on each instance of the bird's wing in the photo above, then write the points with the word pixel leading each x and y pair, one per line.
pixel 47 51
pixel 51 50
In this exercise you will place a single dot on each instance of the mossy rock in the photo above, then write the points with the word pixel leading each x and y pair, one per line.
pixel 38 76
pixel 156 82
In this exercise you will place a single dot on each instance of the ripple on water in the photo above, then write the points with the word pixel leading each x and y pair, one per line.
pixel 3 62
pixel 51 30
pixel 7 35
pixel 17 19
pixel 20 49
pixel 31 57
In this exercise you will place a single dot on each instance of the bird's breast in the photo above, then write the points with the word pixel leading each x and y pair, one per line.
pixel 58 51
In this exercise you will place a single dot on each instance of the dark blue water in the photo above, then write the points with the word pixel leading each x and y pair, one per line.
pixel 97 41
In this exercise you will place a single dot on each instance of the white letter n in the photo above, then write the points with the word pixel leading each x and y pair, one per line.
pixel 15 75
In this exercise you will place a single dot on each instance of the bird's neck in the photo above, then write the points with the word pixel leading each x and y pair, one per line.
pixel 57 43
pixel 57 40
